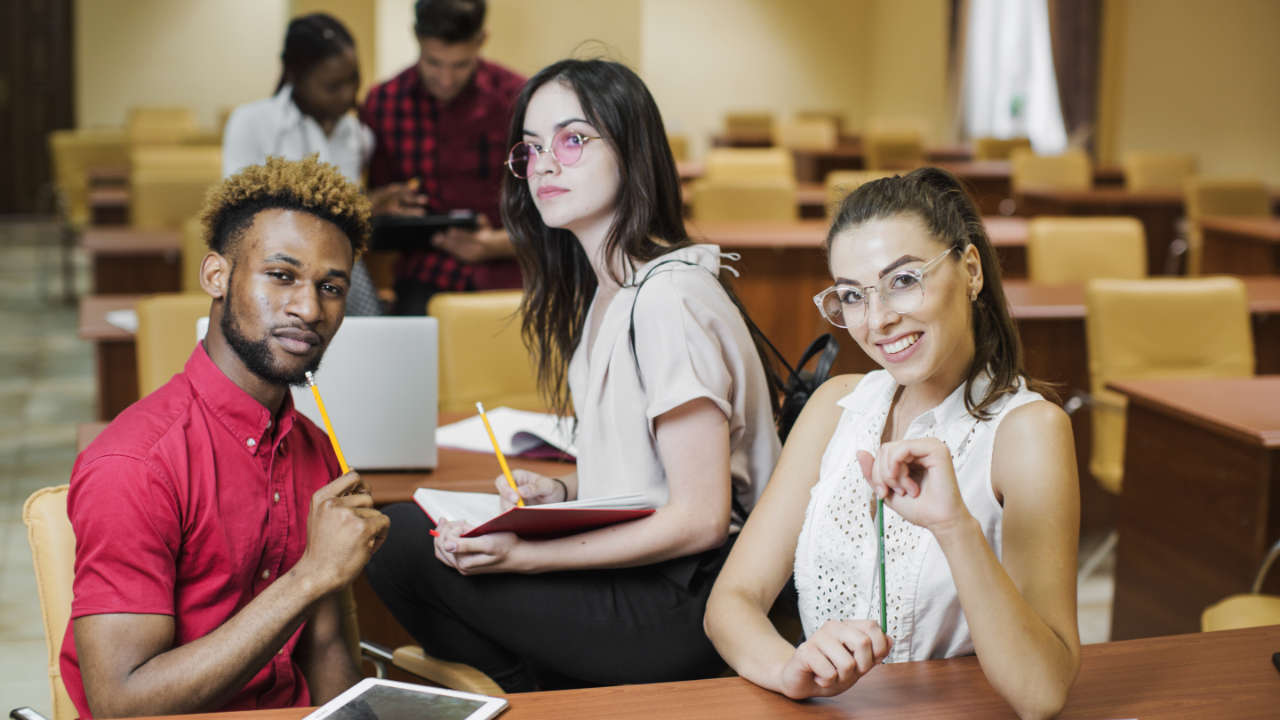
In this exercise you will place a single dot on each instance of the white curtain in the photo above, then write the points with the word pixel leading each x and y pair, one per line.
pixel 1008 88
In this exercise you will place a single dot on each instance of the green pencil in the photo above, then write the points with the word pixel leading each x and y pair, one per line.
pixel 884 613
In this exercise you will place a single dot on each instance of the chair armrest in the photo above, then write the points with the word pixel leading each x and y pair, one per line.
pixel 1267 562
pixel 377 655
pixel 442 672
pixel 26 713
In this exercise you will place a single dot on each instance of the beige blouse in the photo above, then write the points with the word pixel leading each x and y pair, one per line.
pixel 691 343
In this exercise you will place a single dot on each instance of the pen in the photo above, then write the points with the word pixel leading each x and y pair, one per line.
pixel 328 427
pixel 884 613
pixel 502 461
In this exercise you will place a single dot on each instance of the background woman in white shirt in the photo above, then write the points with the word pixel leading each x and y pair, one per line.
pixel 683 415
pixel 311 113
pixel 977 472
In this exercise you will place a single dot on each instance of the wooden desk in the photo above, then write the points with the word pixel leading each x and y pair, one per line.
pixel 990 182
pixel 1158 211
pixel 129 260
pixel 115 356
pixel 1241 245
pixel 108 206
pixel 1200 503
pixel 1221 674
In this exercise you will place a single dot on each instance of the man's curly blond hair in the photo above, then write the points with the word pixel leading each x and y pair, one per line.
pixel 308 185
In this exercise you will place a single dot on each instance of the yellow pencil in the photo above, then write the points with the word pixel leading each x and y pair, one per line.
pixel 498 451
pixel 328 427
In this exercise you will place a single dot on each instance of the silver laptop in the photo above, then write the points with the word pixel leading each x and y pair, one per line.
pixel 378 382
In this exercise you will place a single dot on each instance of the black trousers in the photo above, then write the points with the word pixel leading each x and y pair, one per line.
pixel 554 630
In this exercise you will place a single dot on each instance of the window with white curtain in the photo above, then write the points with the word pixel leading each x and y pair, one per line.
pixel 1008 87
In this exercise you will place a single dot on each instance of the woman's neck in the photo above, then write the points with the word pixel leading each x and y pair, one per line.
pixel 609 271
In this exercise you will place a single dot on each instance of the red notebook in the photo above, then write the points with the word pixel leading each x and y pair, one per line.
pixel 482 511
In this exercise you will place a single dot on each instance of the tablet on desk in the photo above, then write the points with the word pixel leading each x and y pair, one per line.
pixel 373 699
pixel 408 232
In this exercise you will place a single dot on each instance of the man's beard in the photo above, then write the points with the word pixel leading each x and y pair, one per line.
pixel 256 354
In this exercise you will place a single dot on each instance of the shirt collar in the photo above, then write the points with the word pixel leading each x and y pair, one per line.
pixel 480 83
pixel 951 409
pixel 244 417
pixel 285 107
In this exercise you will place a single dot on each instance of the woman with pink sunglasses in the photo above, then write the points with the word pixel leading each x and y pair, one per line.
pixel 635 338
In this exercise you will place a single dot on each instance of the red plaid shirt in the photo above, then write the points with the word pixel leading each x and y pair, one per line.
pixel 456 150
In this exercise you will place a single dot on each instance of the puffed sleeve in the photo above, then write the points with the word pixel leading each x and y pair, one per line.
pixel 128 535
pixel 684 342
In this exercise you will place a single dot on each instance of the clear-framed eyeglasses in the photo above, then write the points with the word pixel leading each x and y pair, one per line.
pixel 902 291
pixel 566 148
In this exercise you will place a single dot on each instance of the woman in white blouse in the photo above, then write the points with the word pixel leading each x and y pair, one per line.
pixel 633 335
pixel 976 469
pixel 310 114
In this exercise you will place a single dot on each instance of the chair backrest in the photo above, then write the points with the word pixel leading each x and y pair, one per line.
pixel 53 553
pixel 840 183
pixel 194 248
pixel 810 134
pixel 994 148
pixel 168 184
pixel 160 125
pixel 835 117
pixel 749 164
pixel 482 355
pixel 1072 170
pixel 748 125
pixel 1067 250
pixel 679 144
pixel 766 199
pixel 1157 170
pixel 74 153
pixel 1205 197
pixel 894 149
pixel 1158 328
pixel 166 335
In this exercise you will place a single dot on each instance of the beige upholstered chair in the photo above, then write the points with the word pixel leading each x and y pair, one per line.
pixel 812 134
pixel 169 183
pixel 679 146
pixel 993 148
pixel 894 149
pixel 1207 197
pixel 194 248
pixel 166 335
pixel 160 125
pixel 1252 609
pixel 1072 170
pixel 835 117
pixel 759 199
pixel 748 126
pixel 736 164
pixel 482 355
pixel 74 154
pixel 1067 250
pixel 53 553
pixel 1157 171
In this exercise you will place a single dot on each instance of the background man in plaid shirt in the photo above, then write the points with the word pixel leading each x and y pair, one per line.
pixel 440 128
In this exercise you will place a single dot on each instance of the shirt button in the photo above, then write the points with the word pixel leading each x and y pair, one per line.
pixel 275 498
pixel 266 574
pixel 250 442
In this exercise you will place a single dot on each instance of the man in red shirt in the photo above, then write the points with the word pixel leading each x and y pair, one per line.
pixel 211 538
pixel 440 130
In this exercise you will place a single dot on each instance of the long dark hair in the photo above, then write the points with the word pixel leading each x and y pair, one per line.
pixel 558 278
pixel 309 40
pixel 937 198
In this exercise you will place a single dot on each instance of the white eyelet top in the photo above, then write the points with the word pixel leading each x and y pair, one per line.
pixel 835 564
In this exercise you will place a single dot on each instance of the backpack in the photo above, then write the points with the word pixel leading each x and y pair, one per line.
pixel 791 394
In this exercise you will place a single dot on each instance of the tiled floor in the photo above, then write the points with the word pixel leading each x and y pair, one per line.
pixel 46 388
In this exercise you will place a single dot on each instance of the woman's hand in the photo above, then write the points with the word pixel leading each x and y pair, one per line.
pixel 534 488
pixel 833 659
pixel 478 555
pixel 916 479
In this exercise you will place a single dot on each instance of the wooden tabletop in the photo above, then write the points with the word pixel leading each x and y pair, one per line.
pixel 129 241
pixel 1106 196
pixel 1031 301
pixel 1003 231
pixel 1247 409
pixel 1222 674
pixel 1261 228
pixel 93 316
pixel 460 470
pixel 1003 170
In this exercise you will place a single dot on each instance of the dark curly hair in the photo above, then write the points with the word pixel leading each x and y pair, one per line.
pixel 308 185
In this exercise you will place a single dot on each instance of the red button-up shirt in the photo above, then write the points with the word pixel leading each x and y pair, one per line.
pixel 456 150
pixel 190 504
